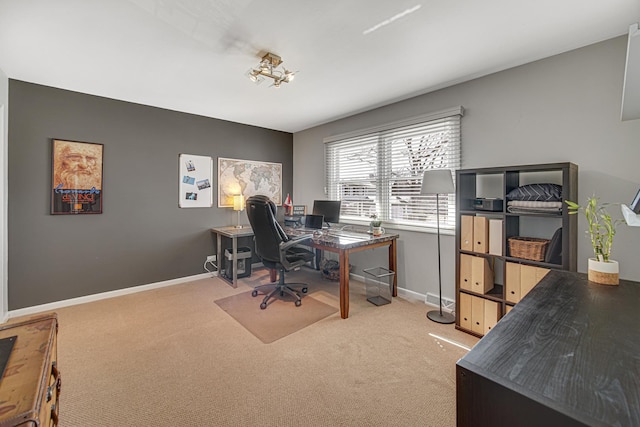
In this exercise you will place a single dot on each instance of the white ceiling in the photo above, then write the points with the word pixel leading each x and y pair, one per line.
pixel 193 55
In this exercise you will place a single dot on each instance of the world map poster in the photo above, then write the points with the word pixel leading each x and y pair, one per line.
pixel 248 178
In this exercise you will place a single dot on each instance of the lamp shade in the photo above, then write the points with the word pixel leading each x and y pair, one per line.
pixel 238 203
pixel 437 181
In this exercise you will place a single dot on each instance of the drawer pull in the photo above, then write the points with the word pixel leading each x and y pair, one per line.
pixel 54 369
pixel 54 414
pixel 55 385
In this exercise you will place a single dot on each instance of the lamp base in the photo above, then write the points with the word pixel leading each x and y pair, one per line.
pixel 445 318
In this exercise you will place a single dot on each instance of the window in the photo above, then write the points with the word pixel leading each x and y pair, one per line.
pixel 379 171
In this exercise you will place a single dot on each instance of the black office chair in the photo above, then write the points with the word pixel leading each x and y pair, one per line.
pixel 275 248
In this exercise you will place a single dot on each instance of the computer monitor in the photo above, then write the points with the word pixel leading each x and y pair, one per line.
pixel 330 209
pixel 313 221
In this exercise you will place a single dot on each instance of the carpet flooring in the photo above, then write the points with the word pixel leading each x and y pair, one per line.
pixel 172 357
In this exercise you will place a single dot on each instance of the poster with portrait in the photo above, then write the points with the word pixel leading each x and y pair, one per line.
pixel 76 183
pixel 196 180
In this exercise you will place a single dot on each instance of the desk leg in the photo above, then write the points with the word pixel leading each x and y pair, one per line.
pixel 219 253
pixel 392 266
pixel 234 257
pixel 318 257
pixel 344 284
pixel 273 275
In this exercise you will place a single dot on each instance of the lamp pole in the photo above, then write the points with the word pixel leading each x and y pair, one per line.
pixel 439 316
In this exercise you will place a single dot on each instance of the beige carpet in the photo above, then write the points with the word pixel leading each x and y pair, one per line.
pixel 171 357
pixel 279 319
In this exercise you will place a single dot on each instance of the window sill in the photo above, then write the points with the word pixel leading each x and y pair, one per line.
pixel 402 227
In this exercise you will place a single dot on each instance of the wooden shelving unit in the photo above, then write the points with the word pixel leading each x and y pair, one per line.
pixel 478 311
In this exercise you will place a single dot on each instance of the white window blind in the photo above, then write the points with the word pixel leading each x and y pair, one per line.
pixel 380 171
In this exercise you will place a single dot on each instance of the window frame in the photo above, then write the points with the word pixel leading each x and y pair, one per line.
pixel 382 137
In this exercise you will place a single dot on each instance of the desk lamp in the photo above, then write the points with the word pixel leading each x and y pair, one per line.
pixel 438 181
pixel 238 206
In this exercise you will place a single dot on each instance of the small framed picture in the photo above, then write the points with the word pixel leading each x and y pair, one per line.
pixel 299 210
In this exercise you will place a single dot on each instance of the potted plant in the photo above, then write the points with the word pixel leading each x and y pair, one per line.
pixel 601 230
pixel 376 225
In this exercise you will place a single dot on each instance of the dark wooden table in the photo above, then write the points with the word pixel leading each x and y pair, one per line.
pixel 567 355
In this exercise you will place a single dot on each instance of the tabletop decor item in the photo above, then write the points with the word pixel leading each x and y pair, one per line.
pixel 602 229
pixel 375 225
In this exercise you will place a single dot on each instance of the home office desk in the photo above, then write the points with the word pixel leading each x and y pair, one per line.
pixel 344 243
pixel 341 242
pixel 233 233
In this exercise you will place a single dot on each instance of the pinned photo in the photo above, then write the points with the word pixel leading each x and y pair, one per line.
pixel 203 184
pixel 188 180
pixel 192 196
pixel 190 165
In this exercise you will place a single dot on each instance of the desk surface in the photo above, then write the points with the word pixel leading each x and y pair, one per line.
pixel 570 347
pixel 340 239
pixel 232 231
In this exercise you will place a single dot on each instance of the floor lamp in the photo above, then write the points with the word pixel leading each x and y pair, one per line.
pixel 438 181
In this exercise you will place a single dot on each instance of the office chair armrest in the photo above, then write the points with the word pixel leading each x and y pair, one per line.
pixel 295 241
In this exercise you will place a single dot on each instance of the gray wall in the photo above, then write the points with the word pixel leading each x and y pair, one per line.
pixel 142 236
pixel 562 108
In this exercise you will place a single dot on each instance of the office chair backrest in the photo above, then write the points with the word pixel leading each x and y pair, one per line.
pixel 268 234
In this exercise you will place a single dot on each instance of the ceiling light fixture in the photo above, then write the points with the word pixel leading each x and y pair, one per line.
pixel 269 66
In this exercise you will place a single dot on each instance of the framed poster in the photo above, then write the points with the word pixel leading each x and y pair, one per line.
pixel 76 183
pixel 248 178
pixel 196 180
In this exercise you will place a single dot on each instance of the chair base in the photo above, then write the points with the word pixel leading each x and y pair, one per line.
pixel 280 288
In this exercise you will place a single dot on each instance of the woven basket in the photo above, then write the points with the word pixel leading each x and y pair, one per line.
pixel 530 248
pixel 330 269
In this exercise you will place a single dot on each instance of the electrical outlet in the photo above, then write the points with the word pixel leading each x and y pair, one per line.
pixel 211 258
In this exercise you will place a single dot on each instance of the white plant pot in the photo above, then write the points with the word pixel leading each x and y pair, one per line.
pixel 377 231
pixel 604 273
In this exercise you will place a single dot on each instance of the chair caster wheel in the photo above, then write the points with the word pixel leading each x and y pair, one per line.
pixel 254 293
pixel 298 303
pixel 263 305
pixel 304 290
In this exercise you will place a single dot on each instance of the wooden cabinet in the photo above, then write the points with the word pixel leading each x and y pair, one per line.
pixel 30 387
pixel 485 268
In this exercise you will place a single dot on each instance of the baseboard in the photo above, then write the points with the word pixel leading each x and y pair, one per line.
pixel 104 295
